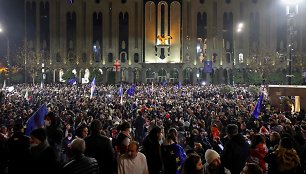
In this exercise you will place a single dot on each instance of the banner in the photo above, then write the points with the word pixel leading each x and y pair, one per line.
pixel 208 66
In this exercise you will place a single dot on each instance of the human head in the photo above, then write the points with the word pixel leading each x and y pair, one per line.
pixel 257 139
pixel 95 126
pixel 172 135
pixel 275 136
pixel 193 163
pixel 125 126
pixel 78 146
pixel 231 130
pixel 38 136
pixel 212 158
pixel 49 119
pixel 82 131
pixel 251 168
pixel 286 142
pixel 156 133
pixel 133 149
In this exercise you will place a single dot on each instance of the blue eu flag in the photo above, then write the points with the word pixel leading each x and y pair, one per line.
pixel 131 91
pixel 257 108
pixel 36 120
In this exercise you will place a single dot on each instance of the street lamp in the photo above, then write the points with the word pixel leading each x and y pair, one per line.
pixel 291 12
pixel 7 58
pixel 239 29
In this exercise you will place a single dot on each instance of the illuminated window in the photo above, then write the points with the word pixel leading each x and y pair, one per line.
pixel 240 57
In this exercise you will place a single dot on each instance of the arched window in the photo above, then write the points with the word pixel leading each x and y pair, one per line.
pixel 123 57
pixel 110 57
pixel 228 57
pixel 123 1
pixel 136 57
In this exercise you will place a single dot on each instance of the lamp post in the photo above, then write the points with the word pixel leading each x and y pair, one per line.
pixel 7 58
pixel 291 12
pixel 239 30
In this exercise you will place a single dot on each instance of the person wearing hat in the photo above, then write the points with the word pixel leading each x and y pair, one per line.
pixel 213 163
pixel 236 150
pixel 43 157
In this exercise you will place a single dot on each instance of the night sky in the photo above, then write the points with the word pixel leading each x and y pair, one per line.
pixel 12 22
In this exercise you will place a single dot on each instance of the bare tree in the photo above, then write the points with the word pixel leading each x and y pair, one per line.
pixel 28 60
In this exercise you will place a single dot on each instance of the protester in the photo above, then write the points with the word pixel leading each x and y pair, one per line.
pixel 173 155
pixel 236 150
pixel 80 164
pixel 193 164
pixel 251 168
pixel 258 151
pixel 100 148
pixel 43 157
pixel 123 139
pixel 152 150
pixel 133 161
pixel 213 163
pixel 284 160
pixel 19 151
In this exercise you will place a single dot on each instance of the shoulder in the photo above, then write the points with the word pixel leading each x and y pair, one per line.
pixel 141 155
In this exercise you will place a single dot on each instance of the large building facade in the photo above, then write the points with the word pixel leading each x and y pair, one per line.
pixel 157 40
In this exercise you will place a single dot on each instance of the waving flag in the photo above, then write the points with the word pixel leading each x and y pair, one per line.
pixel 92 87
pixel 36 120
pixel 131 91
pixel 164 83
pixel 26 95
pixel 121 94
pixel 257 108
pixel 72 81
pixel 179 85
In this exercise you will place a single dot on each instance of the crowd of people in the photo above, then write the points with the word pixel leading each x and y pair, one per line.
pixel 156 129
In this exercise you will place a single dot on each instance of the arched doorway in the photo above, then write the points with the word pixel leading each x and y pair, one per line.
pixel 149 76
pixel 174 76
pixel 187 76
pixel 161 75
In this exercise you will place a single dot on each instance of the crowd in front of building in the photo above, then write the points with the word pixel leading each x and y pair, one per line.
pixel 155 129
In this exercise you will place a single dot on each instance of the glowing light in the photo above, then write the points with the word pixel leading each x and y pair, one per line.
pixel 203 83
pixel 291 2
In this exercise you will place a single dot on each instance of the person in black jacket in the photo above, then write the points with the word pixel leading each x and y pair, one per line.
pixel 80 164
pixel 43 157
pixel 100 148
pixel 19 151
pixel 235 151
pixel 151 149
